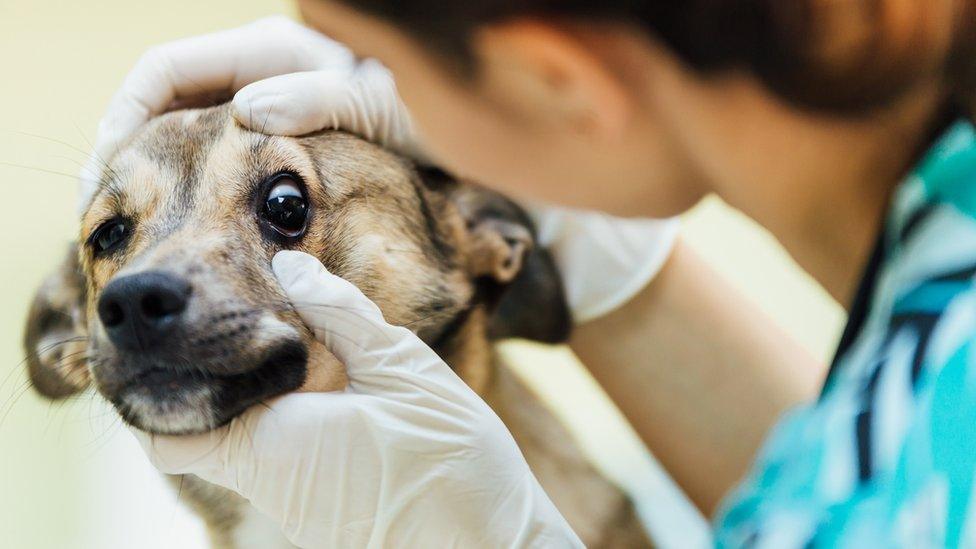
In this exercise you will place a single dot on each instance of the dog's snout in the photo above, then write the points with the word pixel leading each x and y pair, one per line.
pixel 140 310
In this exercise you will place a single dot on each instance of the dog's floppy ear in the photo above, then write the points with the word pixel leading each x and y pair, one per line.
pixel 56 338
pixel 518 279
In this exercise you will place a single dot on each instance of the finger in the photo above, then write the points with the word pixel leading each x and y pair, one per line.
pixel 351 326
pixel 292 460
pixel 266 437
pixel 292 104
pixel 362 100
pixel 221 62
pixel 375 92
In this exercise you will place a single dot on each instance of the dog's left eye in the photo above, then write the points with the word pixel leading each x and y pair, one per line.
pixel 109 236
pixel 285 207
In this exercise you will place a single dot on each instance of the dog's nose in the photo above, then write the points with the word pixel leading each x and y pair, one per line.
pixel 140 310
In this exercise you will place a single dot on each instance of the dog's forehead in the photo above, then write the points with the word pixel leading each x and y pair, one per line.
pixel 187 149
pixel 180 139
pixel 188 159
pixel 183 155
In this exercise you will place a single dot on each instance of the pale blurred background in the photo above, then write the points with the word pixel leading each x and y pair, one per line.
pixel 70 476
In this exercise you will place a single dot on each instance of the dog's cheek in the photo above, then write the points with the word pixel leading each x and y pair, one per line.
pixel 324 371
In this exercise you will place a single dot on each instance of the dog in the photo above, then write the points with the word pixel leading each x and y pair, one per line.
pixel 167 304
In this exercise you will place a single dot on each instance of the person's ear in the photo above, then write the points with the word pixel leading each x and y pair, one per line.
pixel 552 74
pixel 56 337
pixel 518 280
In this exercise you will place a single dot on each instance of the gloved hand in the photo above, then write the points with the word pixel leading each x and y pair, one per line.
pixel 293 81
pixel 286 79
pixel 408 456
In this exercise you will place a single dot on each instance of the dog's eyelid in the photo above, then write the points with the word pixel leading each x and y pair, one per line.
pixel 109 235
pixel 302 179
pixel 285 187
pixel 109 200
pixel 265 179
pixel 101 223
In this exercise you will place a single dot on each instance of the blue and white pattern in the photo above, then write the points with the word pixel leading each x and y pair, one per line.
pixel 887 456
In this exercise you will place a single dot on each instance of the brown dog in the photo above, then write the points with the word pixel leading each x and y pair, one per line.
pixel 170 309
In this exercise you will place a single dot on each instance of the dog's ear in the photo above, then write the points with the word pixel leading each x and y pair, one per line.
pixel 533 305
pixel 56 338
pixel 517 278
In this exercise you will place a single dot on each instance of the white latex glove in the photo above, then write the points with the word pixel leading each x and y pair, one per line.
pixel 286 79
pixel 408 456
pixel 604 260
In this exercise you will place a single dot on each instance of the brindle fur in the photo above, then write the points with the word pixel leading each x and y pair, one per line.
pixel 451 261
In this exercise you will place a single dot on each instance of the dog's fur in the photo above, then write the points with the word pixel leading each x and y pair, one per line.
pixel 453 262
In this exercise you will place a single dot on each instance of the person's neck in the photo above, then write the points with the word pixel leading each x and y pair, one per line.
pixel 828 206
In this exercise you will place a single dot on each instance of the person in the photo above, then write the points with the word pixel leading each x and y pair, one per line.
pixel 842 127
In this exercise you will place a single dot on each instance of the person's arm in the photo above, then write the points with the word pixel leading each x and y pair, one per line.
pixel 699 371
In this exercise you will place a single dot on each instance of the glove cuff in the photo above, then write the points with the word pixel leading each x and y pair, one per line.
pixel 659 250
pixel 604 261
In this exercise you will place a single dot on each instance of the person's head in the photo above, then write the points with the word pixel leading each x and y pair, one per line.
pixel 640 106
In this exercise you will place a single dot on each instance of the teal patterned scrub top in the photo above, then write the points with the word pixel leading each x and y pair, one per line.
pixel 887 456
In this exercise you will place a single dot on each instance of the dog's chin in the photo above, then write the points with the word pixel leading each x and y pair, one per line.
pixel 186 408
pixel 178 401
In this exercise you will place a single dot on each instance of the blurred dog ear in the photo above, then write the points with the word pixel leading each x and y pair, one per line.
pixel 518 279
pixel 533 305
pixel 56 337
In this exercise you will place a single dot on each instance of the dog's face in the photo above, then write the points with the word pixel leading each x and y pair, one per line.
pixel 169 305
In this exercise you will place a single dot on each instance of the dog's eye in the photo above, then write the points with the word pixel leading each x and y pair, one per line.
pixel 286 208
pixel 109 236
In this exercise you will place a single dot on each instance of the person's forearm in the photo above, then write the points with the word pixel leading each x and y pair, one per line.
pixel 699 371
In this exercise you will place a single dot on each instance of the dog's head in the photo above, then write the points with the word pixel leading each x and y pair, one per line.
pixel 168 303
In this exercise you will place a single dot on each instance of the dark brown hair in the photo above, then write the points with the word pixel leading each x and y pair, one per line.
pixel 836 56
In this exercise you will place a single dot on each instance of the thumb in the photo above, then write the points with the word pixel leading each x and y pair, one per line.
pixel 376 354
pixel 362 100
pixel 294 104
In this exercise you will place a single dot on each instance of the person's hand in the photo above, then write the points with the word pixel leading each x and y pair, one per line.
pixel 285 79
pixel 408 456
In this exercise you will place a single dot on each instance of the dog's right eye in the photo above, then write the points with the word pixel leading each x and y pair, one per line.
pixel 285 207
pixel 108 236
